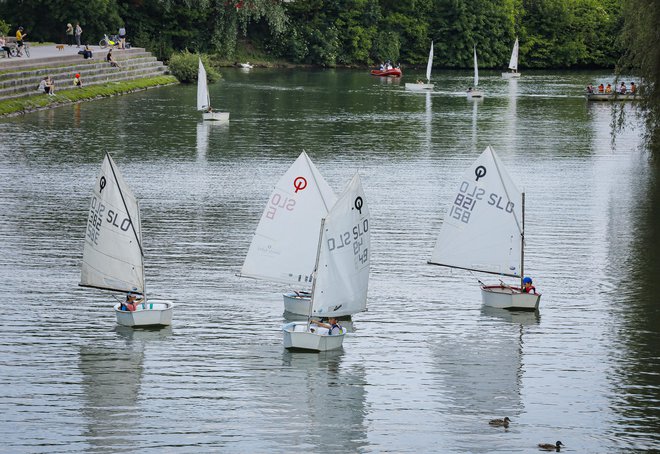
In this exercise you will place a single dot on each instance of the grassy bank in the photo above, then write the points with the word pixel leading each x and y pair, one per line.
pixel 41 101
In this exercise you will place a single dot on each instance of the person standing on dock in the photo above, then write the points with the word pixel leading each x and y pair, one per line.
pixel 78 32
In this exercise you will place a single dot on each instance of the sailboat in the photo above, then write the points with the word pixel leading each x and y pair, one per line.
pixel 284 245
pixel 203 98
pixel 513 63
pixel 472 91
pixel 341 273
pixel 113 257
pixel 428 85
pixel 484 231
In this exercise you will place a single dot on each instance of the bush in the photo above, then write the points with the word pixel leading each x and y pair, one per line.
pixel 184 66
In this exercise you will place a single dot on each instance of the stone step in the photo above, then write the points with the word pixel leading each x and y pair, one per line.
pixel 32 62
pixel 18 78
pixel 97 80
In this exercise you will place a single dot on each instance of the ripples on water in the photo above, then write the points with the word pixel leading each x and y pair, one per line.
pixel 426 367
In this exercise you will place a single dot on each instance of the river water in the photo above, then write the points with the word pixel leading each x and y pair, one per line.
pixel 426 367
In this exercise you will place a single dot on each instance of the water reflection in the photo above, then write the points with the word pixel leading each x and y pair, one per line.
pixel 111 381
pixel 511 115
pixel 330 401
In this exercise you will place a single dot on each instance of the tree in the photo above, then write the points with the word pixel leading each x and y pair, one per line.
pixel 641 41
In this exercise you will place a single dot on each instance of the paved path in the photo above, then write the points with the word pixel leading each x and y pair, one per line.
pixel 43 51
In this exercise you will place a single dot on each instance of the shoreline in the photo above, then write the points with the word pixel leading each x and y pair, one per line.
pixel 14 107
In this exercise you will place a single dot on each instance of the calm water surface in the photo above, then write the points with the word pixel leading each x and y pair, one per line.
pixel 426 367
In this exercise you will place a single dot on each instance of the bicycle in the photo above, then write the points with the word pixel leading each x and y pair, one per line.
pixel 112 42
pixel 17 51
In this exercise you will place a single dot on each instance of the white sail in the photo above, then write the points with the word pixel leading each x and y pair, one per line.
pixel 476 68
pixel 343 270
pixel 203 99
pixel 513 63
pixel 284 246
pixel 112 256
pixel 482 229
pixel 429 64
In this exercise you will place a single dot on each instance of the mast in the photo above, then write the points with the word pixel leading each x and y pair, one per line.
pixel 316 267
pixel 522 244
pixel 144 281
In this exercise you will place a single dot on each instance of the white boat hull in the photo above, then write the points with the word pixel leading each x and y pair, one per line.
pixel 298 337
pixel 419 87
pixel 510 75
pixel 475 94
pixel 505 297
pixel 151 313
pixel 216 116
pixel 297 303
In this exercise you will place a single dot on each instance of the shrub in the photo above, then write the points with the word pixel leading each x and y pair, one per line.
pixel 184 66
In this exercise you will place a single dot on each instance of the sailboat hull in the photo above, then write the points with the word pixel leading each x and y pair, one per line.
pixel 511 75
pixel 297 302
pixel 419 87
pixel 216 116
pixel 505 297
pixel 298 337
pixel 152 313
pixel 475 94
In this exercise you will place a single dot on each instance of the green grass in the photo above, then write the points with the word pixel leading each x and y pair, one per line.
pixel 72 95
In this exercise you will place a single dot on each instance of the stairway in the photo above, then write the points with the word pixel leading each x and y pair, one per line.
pixel 21 76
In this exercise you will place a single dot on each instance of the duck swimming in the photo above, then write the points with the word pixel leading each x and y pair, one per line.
pixel 500 422
pixel 550 447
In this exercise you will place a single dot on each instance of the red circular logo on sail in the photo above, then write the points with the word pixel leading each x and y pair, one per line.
pixel 299 183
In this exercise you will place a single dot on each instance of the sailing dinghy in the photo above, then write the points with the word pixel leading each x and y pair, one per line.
pixel 341 273
pixel 283 248
pixel 513 63
pixel 428 85
pixel 203 98
pixel 113 258
pixel 473 92
pixel 484 231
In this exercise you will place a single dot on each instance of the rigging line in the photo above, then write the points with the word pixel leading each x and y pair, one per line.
pixel 309 165
pixel 128 213
pixel 505 190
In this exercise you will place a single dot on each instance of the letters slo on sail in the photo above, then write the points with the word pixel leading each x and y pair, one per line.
pixel 483 231
pixel 113 257
pixel 204 99
pixel 341 273
pixel 473 92
pixel 284 245
pixel 428 85
pixel 513 63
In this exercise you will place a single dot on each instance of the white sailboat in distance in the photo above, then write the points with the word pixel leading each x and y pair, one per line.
pixel 428 85
pixel 484 231
pixel 113 257
pixel 203 98
pixel 473 92
pixel 513 63
pixel 341 274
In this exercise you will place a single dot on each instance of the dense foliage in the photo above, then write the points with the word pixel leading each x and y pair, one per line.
pixel 185 65
pixel 553 33
pixel 641 40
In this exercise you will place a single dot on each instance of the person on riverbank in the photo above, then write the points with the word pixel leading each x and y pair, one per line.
pixel 77 82
pixel 5 48
pixel 20 36
pixel 47 86
pixel 110 59
pixel 69 34
pixel 86 52
pixel 122 37
pixel 78 32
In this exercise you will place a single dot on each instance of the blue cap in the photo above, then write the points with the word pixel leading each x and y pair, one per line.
pixel 527 279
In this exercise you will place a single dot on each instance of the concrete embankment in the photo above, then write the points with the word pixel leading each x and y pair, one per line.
pixel 20 76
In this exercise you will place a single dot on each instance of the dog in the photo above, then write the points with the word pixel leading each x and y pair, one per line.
pixel 60 47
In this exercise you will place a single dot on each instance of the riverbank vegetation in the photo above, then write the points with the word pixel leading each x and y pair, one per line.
pixel 552 33
pixel 39 101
